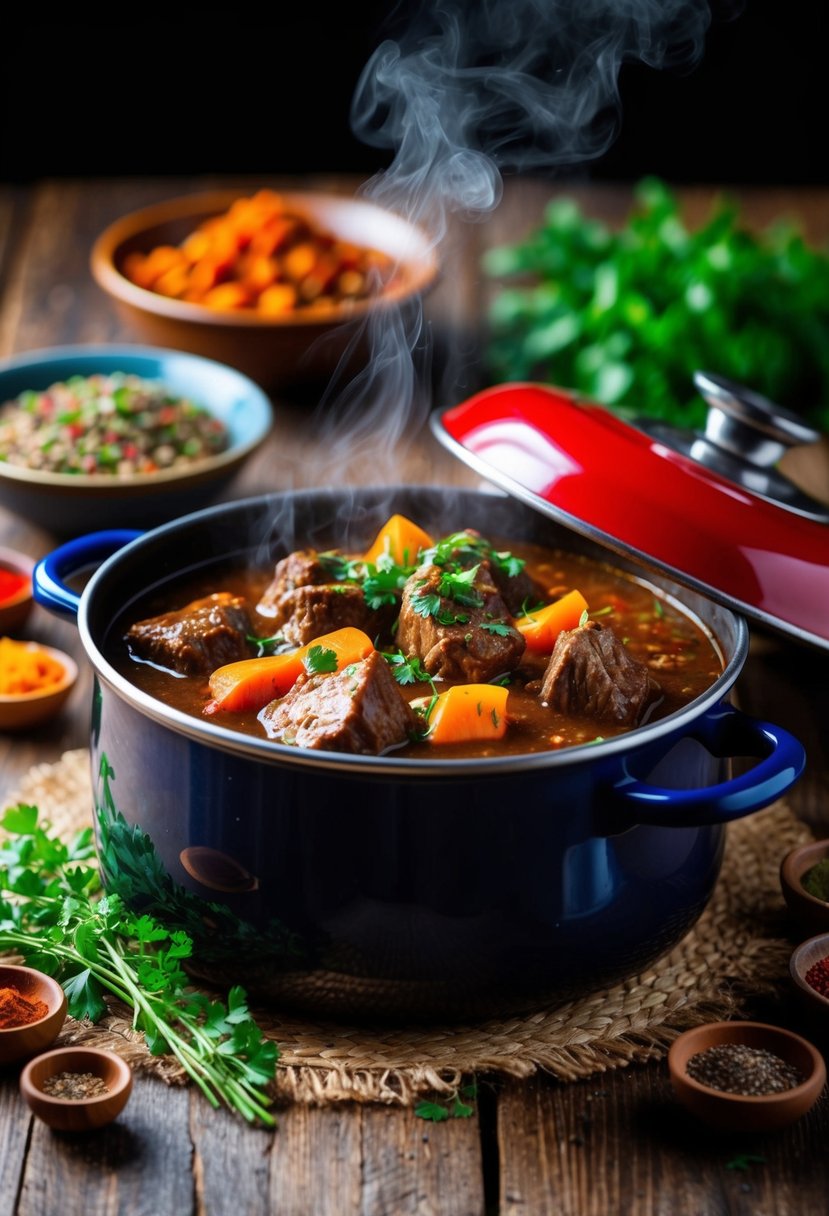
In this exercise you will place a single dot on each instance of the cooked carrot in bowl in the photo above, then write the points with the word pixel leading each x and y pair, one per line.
pixel 264 256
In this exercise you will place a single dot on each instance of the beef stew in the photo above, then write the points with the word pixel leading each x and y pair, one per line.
pixel 465 611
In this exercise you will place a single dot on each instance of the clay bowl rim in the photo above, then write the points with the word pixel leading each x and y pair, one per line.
pixel 420 259
pixel 60 1057
pixel 19 563
pixel 70 676
pixel 792 868
pixel 683 1048
pixel 47 989
pixel 802 957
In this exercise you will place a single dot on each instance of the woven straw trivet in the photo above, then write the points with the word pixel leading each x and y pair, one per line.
pixel 737 949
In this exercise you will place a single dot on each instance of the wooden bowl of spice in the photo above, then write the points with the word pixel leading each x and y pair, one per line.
pixel 809 970
pixel 76 1089
pixel 35 681
pixel 804 880
pixel 279 284
pixel 745 1076
pixel 32 1012
pixel 16 599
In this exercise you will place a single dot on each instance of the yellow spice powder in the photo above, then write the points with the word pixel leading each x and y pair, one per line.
pixel 25 667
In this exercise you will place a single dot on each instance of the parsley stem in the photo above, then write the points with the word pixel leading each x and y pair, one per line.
pixel 215 1082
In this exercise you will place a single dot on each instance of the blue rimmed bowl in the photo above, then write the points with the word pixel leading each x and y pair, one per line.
pixel 68 504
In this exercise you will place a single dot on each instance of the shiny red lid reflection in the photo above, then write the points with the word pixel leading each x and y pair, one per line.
pixel 597 474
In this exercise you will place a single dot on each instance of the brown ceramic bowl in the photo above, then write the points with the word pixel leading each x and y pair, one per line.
pixel 77 1114
pixel 20 711
pixel 815 1006
pixel 14 611
pixel 810 913
pixel 729 1112
pixel 301 346
pixel 18 1042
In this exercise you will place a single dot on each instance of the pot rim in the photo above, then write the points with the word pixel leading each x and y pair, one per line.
pixel 271 752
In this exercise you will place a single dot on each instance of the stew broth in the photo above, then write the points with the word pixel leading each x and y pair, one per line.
pixel 680 652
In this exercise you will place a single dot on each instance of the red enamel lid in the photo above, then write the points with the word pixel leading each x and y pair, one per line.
pixel 637 495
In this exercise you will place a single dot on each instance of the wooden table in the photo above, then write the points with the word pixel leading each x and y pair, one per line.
pixel 616 1143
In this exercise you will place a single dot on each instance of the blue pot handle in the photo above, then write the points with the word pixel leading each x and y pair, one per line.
pixel 724 731
pixel 48 576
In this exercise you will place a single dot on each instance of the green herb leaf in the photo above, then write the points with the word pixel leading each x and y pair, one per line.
pixel 501 629
pixel 320 659
pixel 434 1112
pixel 625 316
pixel 454 1107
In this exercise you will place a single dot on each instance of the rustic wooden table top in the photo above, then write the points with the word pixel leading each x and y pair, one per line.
pixel 616 1143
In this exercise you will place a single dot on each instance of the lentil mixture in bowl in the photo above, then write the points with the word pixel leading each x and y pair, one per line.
pixel 126 436
pixel 115 424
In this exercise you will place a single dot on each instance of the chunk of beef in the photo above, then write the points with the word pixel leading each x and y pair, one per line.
pixel 519 591
pixel 591 672
pixel 197 639
pixel 308 612
pixel 304 602
pixel 359 709
pixel 456 641
pixel 302 568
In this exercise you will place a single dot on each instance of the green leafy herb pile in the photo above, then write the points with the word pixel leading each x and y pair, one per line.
pixel 53 911
pixel 625 317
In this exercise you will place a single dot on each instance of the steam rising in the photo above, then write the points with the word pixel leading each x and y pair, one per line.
pixel 472 89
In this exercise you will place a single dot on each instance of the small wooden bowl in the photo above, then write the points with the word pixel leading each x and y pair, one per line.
pixel 22 710
pixel 14 611
pixel 18 1042
pixel 729 1112
pixel 77 1114
pixel 815 1006
pixel 810 913
pixel 300 347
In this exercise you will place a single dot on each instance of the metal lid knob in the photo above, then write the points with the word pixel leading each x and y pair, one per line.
pixel 747 424
pixel 745 437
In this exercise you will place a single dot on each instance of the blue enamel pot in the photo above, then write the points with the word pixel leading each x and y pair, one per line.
pixel 411 887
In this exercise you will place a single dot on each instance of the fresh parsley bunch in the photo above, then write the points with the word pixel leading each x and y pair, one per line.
pixel 53 911
pixel 625 317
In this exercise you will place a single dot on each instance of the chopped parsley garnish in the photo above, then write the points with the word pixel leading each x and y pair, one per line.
pixel 410 670
pixel 320 659
pixel 428 603
pixel 458 585
pixel 384 586
pixel 340 568
pixel 381 581
pixel 527 609
pixel 407 670
pixel 501 629
pixel 461 547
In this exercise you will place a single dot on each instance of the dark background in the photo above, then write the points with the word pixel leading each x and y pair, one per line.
pixel 217 95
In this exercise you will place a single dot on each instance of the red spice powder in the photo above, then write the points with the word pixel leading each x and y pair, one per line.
pixel 11 583
pixel 817 976
pixel 17 1009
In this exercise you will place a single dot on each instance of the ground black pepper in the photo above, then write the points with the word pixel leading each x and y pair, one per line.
pixel 736 1068
pixel 74 1085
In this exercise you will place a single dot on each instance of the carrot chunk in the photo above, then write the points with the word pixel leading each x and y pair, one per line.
pixel 251 683
pixel 541 628
pixel 401 539
pixel 469 711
